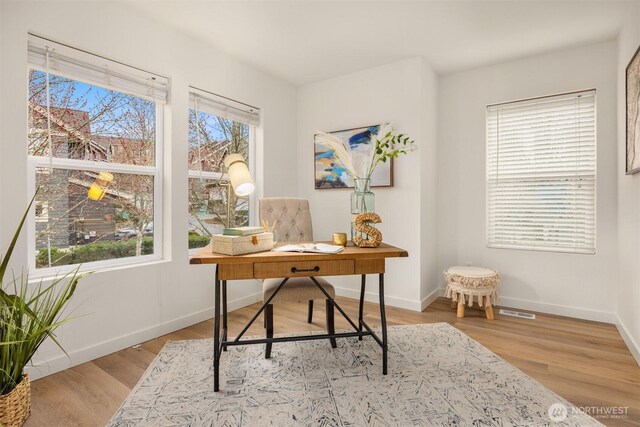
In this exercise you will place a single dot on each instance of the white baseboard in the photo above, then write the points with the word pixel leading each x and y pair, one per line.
pixel 560 310
pixel 633 346
pixel 426 301
pixel 408 304
pixel 242 302
pixel 86 354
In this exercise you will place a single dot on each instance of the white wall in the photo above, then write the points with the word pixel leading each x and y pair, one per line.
pixel 390 93
pixel 628 200
pixel 430 274
pixel 576 285
pixel 1 96
pixel 127 305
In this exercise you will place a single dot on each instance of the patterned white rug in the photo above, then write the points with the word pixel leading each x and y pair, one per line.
pixel 438 376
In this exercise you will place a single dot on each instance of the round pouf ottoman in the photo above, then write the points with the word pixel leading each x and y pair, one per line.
pixel 468 283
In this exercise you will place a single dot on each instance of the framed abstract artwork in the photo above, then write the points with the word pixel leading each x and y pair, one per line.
pixel 633 113
pixel 329 173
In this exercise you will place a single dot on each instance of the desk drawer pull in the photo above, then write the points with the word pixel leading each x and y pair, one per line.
pixel 300 268
pixel 296 270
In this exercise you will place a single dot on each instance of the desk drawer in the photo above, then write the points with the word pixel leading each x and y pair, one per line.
pixel 270 270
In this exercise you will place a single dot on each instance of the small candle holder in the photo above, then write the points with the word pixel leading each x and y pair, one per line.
pixel 340 239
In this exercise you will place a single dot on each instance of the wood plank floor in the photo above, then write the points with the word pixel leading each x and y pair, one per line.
pixel 585 362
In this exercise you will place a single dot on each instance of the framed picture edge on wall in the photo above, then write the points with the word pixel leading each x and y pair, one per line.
pixel 634 57
pixel 315 182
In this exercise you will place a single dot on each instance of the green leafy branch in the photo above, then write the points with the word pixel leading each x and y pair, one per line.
pixel 390 146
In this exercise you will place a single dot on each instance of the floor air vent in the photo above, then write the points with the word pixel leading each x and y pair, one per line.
pixel 517 314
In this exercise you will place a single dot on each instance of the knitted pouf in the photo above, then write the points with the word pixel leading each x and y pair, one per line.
pixel 468 283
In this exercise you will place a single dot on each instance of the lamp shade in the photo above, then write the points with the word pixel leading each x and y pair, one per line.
pixel 239 175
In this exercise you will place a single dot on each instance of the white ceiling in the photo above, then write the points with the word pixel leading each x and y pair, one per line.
pixel 307 41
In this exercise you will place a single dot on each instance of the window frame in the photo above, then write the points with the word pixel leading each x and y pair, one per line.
pixel 544 248
pixel 251 164
pixel 156 171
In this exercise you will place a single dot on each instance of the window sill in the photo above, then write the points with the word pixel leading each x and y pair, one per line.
pixel 195 250
pixel 49 274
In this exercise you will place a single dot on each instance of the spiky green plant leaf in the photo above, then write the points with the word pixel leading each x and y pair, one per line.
pixel 29 315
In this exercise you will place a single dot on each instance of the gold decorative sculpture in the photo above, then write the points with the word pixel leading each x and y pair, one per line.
pixel 375 236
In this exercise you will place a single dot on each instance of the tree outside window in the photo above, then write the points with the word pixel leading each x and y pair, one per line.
pixel 211 138
pixel 76 124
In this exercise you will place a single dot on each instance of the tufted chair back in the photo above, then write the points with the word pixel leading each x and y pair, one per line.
pixel 293 216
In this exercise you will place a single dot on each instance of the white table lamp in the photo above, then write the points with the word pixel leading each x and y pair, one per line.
pixel 239 181
pixel 239 175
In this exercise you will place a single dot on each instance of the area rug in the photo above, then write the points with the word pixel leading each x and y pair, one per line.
pixel 438 376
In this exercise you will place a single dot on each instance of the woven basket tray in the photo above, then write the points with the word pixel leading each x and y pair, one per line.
pixel 15 407
pixel 240 245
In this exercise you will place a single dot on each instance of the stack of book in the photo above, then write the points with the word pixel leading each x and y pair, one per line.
pixel 316 248
pixel 242 231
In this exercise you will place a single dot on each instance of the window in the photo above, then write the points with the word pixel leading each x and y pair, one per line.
pixel 217 126
pixel 93 124
pixel 541 174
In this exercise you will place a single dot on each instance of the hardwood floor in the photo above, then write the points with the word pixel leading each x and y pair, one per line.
pixel 585 362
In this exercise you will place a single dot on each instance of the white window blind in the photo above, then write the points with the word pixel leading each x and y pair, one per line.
pixel 541 174
pixel 224 107
pixel 49 56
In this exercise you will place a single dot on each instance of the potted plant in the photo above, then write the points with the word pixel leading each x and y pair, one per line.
pixel 29 313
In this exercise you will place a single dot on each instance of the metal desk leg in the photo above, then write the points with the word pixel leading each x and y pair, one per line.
pixel 216 336
pixel 361 308
pixel 383 321
pixel 224 313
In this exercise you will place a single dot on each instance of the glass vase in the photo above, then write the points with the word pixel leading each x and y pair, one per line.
pixel 362 200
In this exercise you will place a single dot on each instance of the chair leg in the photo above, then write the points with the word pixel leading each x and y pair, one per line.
pixel 310 315
pixel 268 315
pixel 330 325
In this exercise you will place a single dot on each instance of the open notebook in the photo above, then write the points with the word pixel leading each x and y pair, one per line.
pixel 317 248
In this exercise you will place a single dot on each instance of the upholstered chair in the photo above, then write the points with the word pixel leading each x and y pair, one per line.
pixel 293 225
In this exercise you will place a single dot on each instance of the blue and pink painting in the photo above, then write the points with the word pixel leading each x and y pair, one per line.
pixel 329 173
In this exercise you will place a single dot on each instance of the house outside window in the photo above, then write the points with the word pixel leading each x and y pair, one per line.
pixel 218 126
pixel 87 116
pixel 541 174
pixel 42 212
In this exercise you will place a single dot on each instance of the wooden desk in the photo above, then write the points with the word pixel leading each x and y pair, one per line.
pixel 269 265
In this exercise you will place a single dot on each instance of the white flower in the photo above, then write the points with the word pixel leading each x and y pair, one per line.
pixel 362 157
